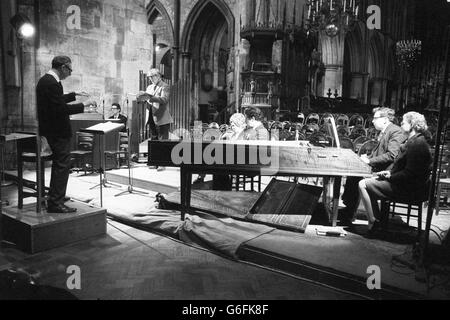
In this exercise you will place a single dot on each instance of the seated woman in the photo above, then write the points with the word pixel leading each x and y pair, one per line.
pixel 235 132
pixel 237 128
pixel 255 128
pixel 409 176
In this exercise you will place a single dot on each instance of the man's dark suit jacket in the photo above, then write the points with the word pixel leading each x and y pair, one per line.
pixel 53 108
pixel 384 154
pixel 123 120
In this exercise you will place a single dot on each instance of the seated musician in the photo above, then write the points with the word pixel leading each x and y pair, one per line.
pixel 115 108
pixel 255 128
pixel 408 179
pixel 382 157
pixel 237 128
pixel 235 132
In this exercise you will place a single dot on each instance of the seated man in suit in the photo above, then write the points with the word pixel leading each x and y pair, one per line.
pixel 115 108
pixel 382 157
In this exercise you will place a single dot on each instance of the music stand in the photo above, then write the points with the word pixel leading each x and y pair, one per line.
pixel 101 130
pixel 130 178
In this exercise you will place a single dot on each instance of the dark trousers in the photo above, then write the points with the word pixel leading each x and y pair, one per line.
pixel 152 126
pixel 350 197
pixel 158 132
pixel 60 170
pixel 163 131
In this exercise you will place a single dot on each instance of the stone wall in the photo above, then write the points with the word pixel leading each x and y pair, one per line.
pixel 109 41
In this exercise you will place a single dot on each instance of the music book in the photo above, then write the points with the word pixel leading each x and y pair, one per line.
pixel 103 128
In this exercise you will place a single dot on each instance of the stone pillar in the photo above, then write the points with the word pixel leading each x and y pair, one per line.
pixel 332 49
pixel 357 88
pixel 176 41
pixel 261 12
pixel 333 79
pixel 185 63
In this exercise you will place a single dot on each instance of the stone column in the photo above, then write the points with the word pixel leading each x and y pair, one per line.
pixel 333 79
pixel 358 86
pixel 185 63
pixel 333 58
pixel 261 12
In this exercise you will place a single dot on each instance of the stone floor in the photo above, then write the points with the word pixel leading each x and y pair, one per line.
pixel 130 263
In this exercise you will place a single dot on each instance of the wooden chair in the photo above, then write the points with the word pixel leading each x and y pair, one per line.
pixel 388 207
pixel 372 133
pixel 342 120
pixel 121 153
pixel 312 118
pixel 342 130
pixel 83 156
pixel 300 118
pixel 367 147
pixel 325 118
pixel 27 153
pixel 358 142
pixel 346 143
pixel 357 131
pixel 356 120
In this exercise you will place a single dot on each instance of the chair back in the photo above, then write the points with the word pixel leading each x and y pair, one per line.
pixel 342 120
pixel 325 118
pixel 123 141
pixel 312 118
pixel 368 123
pixel 367 147
pixel 300 118
pixel 356 120
pixel 346 143
pixel 342 130
pixel 320 139
pixel 357 131
pixel 85 141
pixel 358 142
pixel 372 133
pixel 27 147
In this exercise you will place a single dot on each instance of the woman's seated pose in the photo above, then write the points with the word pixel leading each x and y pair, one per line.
pixel 255 128
pixel 238 125
pixel 408 179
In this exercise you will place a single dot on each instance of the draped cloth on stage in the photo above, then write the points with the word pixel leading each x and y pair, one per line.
pixel 217 233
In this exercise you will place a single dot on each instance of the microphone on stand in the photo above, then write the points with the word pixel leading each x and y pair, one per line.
pixel 103 103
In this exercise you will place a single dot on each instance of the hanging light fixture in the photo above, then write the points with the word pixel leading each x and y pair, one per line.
pixel 407 52
pixel 331 16
pixel 23 26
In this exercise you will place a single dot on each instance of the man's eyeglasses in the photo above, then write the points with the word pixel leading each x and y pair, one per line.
pixel 68 68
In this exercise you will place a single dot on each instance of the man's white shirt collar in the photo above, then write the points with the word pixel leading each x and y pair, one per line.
pixel 53 73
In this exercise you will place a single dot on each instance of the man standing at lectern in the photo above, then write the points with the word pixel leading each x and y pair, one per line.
pixel 157 96
pixel 54 124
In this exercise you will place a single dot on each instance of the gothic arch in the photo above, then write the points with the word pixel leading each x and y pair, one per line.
pixel 376 61
pixel 155 8
pixel 195 13
pixel 353 48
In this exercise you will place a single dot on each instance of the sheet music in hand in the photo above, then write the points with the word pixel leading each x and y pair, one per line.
pixel 103 128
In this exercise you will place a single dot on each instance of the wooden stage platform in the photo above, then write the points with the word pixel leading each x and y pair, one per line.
pixel 33 232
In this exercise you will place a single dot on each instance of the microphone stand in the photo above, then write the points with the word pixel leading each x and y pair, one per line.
pixel 130 188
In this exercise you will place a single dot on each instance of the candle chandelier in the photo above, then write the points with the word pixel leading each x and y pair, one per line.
pixel 331 15
pixel 407 52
